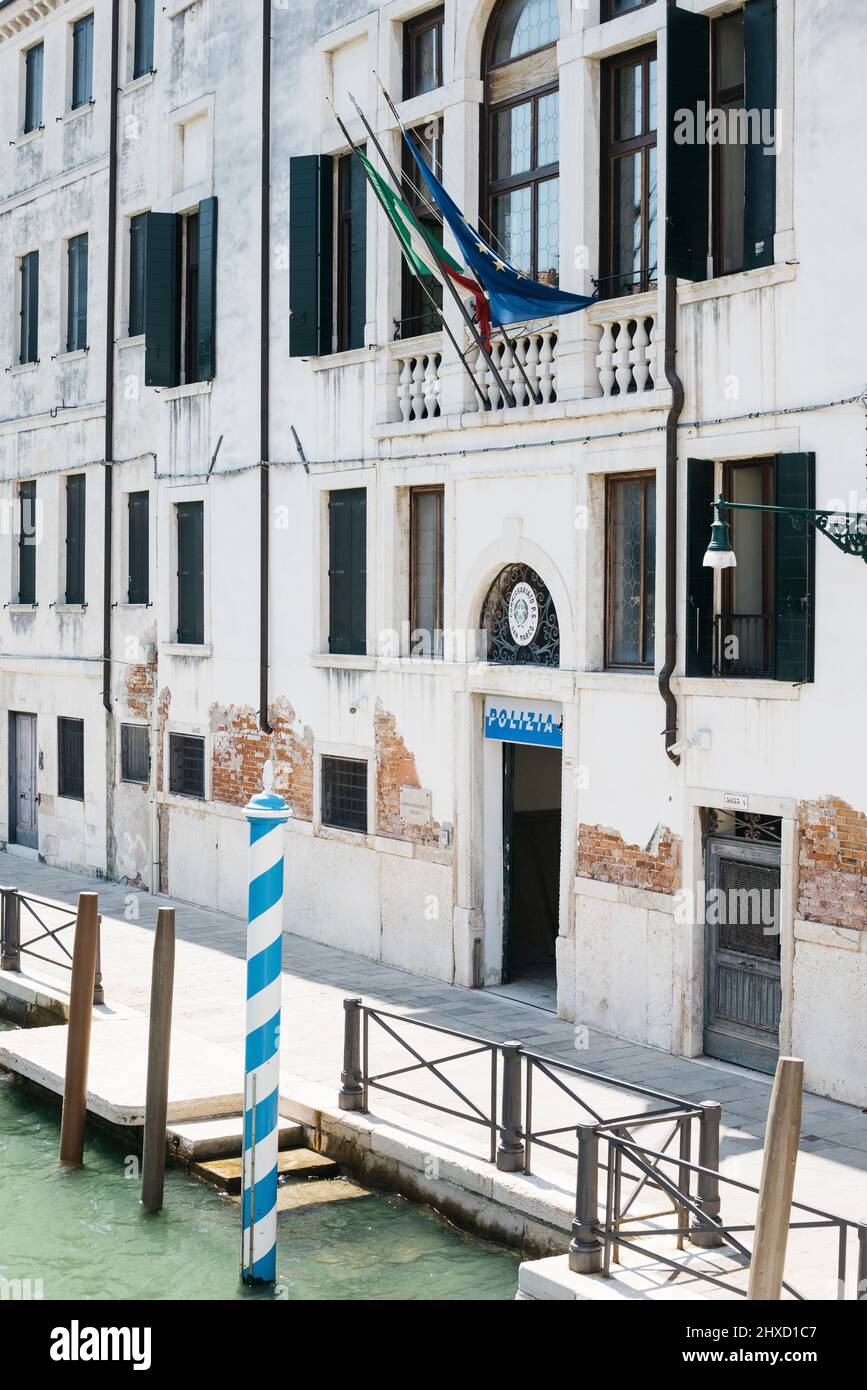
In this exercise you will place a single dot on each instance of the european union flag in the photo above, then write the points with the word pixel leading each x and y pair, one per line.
pixel 513 295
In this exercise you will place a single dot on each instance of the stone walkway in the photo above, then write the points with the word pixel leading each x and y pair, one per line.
pixel 209 1002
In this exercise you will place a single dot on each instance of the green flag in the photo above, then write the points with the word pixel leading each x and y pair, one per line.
pixel 422 251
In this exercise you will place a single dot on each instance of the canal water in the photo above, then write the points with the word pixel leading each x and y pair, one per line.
pixel 84 1235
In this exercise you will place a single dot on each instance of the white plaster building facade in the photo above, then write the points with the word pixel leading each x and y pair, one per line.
pixel 618 835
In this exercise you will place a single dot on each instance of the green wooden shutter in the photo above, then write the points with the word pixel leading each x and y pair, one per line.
pixel 687 165
pixel 206 344
pixel 29 346
pixel 162 299
pixel 82 61
pixel 27 542
pixel 699 580
pixel 794 570
pixel 75 530
pixel 347 571
pixel 357 254
pixel 137 243
pixel 760 94
pixel 76 307
pixel 191 572
pixel 311 254
pixel 139 548
pixel 33 88
pixel 143 59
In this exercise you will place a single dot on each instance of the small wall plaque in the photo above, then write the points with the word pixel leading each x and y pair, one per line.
pixel 733 802
pixel 415 805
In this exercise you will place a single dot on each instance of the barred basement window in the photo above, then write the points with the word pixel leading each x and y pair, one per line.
pixel 187 765
pixel 344 793
pixel 70 758
pixel 134 753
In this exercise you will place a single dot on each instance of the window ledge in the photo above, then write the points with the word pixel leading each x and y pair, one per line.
pixel 137 340
pixel 614 35
pixel 351 358
pixel 74 355
pixel 347 663
pixel 359 839
pixel 695 292
pixel 175 7
pixel 76 111
pixel 729 687
pixel 70 610
pixel 178 393
pixel 135 84
pixel 28 137
pixel 19 368
pixel 201 650
pixel 132 607
pixel 21 607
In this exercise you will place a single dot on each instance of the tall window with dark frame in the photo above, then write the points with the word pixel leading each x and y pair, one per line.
pixel 82 62
pixel 521 146
pixel 27 541
pixel 143 38
pixel 423 53
pixel 344 793
pixel 418 314
pixel 630 589
pixel 189 295
pixel 728 158
pixel 351 253
pixel 28 311
pixel 426 570
pixel 629 213
pixel 137 254
pixel 75 534
pixel 347 571
pixel 138 547
pixel 191 572
pixel 135 761
pixel 745 598
pixel 70 759
pixel 33 69
pixel 76 293
pixel 187 765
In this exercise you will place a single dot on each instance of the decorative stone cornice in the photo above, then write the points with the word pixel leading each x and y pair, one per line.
pixel 17 16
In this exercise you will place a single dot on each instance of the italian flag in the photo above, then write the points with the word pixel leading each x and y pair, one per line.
pixel 422 252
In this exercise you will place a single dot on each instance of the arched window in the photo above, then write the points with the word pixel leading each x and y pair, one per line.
pixel 521 138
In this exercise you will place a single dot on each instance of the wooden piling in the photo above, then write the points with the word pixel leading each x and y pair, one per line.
pixel 159 1043
pixel 78 1034
pixel 777 1182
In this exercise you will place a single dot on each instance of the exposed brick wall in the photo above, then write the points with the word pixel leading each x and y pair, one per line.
pixel 165 700
pixel 140 689
pixel 239 750
pixel 603 854
pixel 395 768
pixel 833 863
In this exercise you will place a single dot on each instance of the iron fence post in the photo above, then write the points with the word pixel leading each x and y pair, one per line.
pixel 353 1093
pixel 510 1150
pixel 98 991
pixel 707 1197
pixel 586 1247
pixel 10 935
pixel 861 1286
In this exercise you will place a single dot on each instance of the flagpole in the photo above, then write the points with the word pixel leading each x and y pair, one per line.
pixel 535 394
pixel 447 330
pixel 492 367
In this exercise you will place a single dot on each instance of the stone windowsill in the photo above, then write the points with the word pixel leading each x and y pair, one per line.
pixel 74 355
pixel 21 607
pixel 356 838
pixel 70 610
pixel 19 368
pixel 346 663
pixel 74 113
pixel 179 393
pixel 28 137
pixel 351 358
pixel 137 340
pixel 695 292
pixel 715 687
pixel 200 651
pixel 136 84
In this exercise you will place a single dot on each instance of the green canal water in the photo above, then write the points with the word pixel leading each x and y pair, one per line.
pixel 83 1233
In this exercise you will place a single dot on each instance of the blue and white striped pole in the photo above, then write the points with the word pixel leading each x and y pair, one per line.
pixel 266 813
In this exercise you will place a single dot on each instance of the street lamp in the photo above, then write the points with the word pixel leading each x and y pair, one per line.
pixel 847 530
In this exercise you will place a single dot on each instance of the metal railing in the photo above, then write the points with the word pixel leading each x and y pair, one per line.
pixel 15 907
pixel 742 644
pixel 691 1192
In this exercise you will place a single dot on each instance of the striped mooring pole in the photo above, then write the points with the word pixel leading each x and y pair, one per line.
pixel 266 813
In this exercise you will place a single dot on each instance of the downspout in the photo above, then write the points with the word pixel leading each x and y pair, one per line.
pixel 671 424
pixel 265 373
pixel 108 476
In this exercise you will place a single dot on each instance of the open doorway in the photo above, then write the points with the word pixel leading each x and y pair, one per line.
pixel 531 870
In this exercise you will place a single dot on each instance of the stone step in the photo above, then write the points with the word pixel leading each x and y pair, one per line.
pixel 225 1173
pixel 197 1140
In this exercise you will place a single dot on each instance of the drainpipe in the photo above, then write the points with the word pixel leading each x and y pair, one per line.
pixel 265 372
pixel 674 414
pixel 108 475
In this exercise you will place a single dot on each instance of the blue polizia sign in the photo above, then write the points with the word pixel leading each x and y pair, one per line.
pixel 524 721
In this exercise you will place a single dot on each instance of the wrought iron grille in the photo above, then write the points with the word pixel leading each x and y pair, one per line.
pixel 187 765
pixel 503 650
pixel 744 825
pixel 344 793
